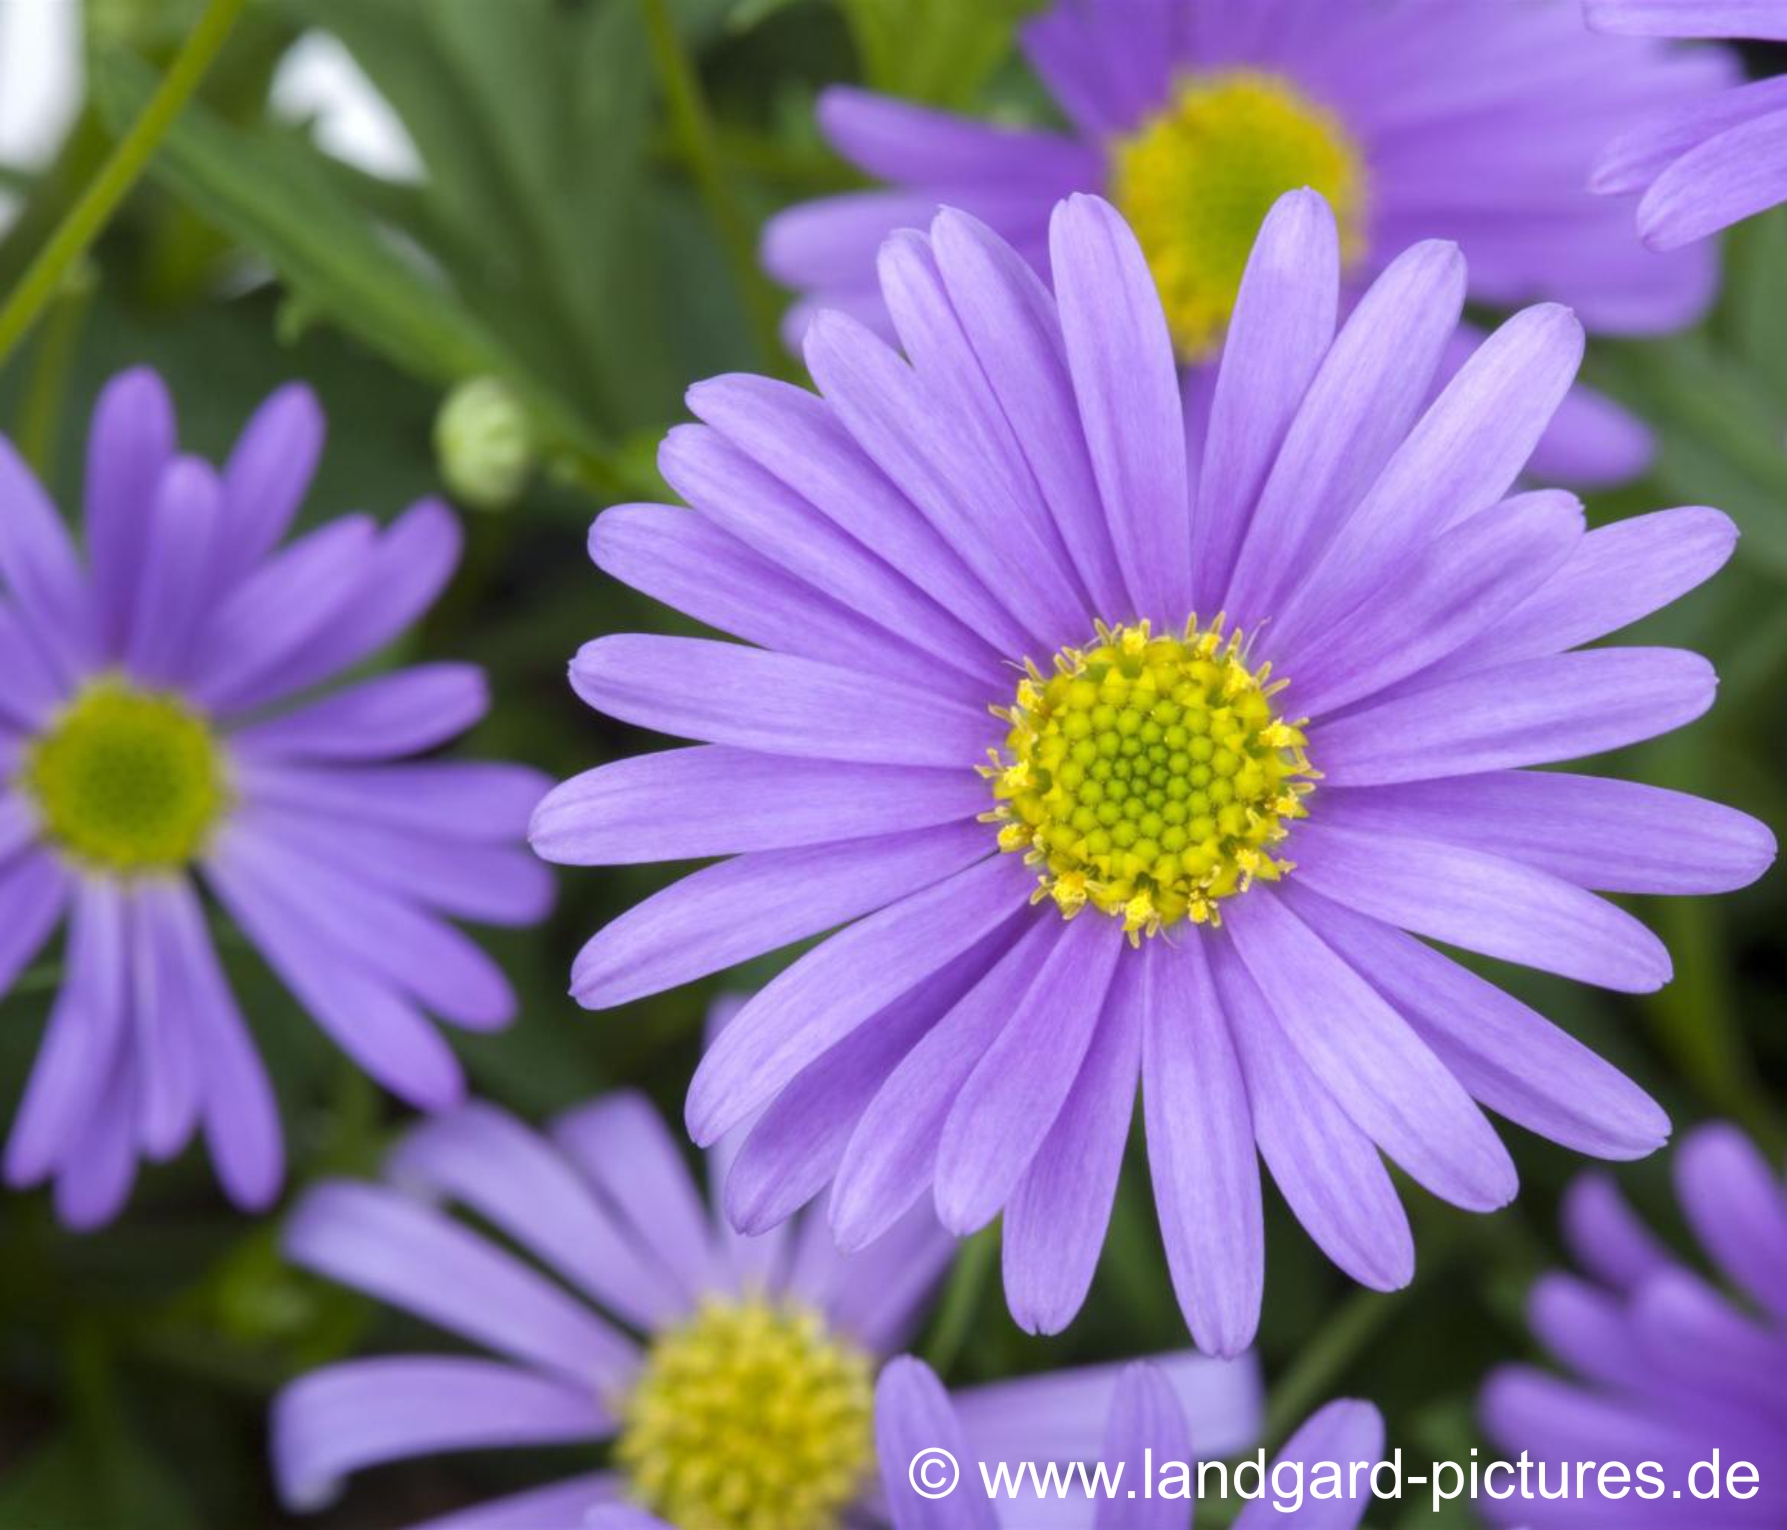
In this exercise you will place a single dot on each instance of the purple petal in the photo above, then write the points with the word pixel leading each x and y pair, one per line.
pixel 1507 1055
pixel 1741 172
pixel 1606 1238
pixel 462 801
pixel 129 443
pixel 914 1420
pixel 832 990
pixel 98 1167
pixel 723 693
pixel 1201 1152
pixel 1127 383
pixel 1738 1208
pixel 1018 1088
pixel 1283 326
pixel 40 570
pixel 585 1502
pixel 1560 708
pixel 407 712
pixel 1055 1221
pixel 178 546
pixel 1348 1433
pixel 660 807
pixel 413 1257
pixel 165 1050
pixel 1147 1428
pixel 1689 18
pixel 726 914
pixel 1482 903
pixel 361 1413
pixel 267 476
pixel 1381 1073
pixel 1328 1170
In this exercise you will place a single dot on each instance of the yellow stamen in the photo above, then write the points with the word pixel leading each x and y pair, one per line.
pixel 753 1415
pixel 1149 777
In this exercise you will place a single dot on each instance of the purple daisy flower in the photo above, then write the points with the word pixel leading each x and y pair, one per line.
pixel 1245 730
pixel 159 730
pixel 1669 1367
pixel 1146 1439
pixel 1476 120
pixel 1704 163
pixel 733 1377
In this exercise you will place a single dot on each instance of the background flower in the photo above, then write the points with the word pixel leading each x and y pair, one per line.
pixel 1477 122
pixel 733 1376
pixel 1705 164
pixel 1668 1366
pixel 1021 495
pixel 158 726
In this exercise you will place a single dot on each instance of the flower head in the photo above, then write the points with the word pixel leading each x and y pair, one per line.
pixel 1706 162
pixel 731 1378
pixel 1477 121
pixel 159 732
pixel 1668 1366
pixel 1120 754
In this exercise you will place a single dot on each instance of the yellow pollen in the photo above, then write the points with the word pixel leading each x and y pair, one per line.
pixel 1149 778
pixel 753 1415
pixel 127 780
pixel 1197 180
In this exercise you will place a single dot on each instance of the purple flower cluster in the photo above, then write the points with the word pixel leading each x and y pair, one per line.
pixel 1669 1368
pixel 161 732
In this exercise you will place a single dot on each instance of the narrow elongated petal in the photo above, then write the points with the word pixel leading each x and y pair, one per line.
pixel 1741 172
pixel 1735 1201
pixel 129 443
pixel 1147 1426
pixel 913 1416
pixel 1689 18
pixel 1348 1433
pixel 721 693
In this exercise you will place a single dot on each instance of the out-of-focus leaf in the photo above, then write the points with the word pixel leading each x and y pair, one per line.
pixel 941 51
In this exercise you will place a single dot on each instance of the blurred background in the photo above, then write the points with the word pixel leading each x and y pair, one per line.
pixel 498 237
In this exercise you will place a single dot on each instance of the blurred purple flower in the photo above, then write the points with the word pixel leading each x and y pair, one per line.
pixel 1703 163
pixel 734 1376
pixel 1475 120
pixel 1668 1366
pixel 159 729
pixel 1025 488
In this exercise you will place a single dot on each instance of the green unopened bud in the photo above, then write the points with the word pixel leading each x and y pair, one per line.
pixel 484 443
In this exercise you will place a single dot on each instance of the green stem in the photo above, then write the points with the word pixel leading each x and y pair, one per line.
pixel 1325 1359
pixel 961 1298
pixel 120 172
pixel 693 131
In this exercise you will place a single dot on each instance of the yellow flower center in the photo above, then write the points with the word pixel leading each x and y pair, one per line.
pixel 127 780
pixel 1197 180
pixel 1149 776
pixel 753 1415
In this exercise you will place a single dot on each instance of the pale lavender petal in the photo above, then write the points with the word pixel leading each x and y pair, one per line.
pixel 913 1415
pixel 41 571
pixel 1560 708
pixel 1147 1429
pixel 129 443
pixel 34 688
pixel 723 693
pixel 407 712
pixel 1327 1168
pixel 1055 1220
pixel 1348 1433
pixel 461 801
pixel 1741 172
pixel 659 807
pixel 411 1256
pixel 1383 1075
pixel 1613 836
pixel 1201 1151
pixel 892 1154
pixel 1607 1238
pixel 177 546
pixel 34 894
pixel 267 476
pixel 378 1027
pixel 584 1502
pixel 834 989
pixel 98 1167
pixel 1638 156
pixel 485 1159
pixel 1738 1207
pixel 1018 1088
pixel 361 1413
pixel 1482 903
pixel 1510 1057
pixel 1125 378
pixel 1282 328
pixel 1689 18
pixel 725 914
pixel 166 1051
pixel 882 1294
pixel 86 1031
pixel 621 1145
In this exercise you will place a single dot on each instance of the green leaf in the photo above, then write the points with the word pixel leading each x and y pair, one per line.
pixel 940 51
